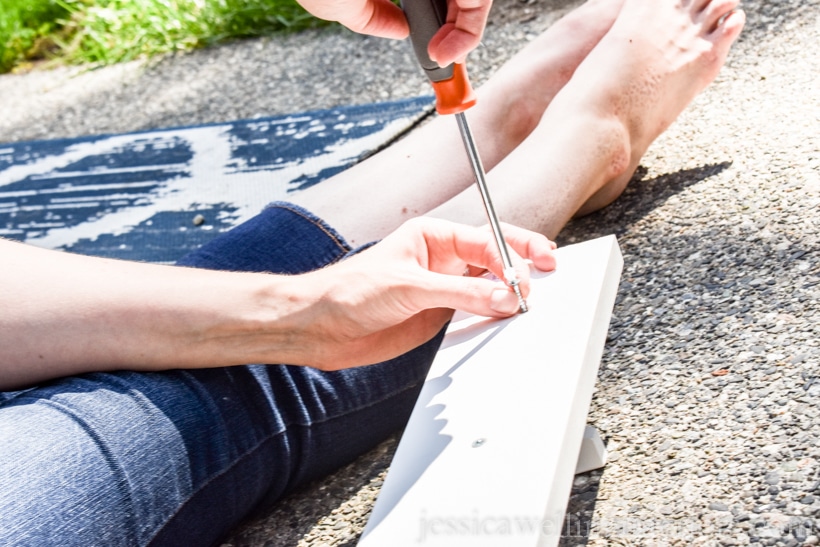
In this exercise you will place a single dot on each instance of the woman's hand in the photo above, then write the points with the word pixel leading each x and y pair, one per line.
pixel 380 18
pixel 65 314
pixel 462 32
pixel 398 294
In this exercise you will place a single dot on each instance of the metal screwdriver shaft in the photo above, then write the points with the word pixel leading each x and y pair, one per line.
pixel 481 182
pixel 454 95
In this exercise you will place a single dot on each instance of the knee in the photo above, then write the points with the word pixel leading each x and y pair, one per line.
pixel 77 472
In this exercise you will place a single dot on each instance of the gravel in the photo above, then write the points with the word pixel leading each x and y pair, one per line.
pixel 708 388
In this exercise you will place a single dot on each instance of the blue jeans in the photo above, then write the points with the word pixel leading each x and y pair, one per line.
pixel 180 457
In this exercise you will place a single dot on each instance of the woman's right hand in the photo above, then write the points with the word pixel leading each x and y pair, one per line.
pixel 460 34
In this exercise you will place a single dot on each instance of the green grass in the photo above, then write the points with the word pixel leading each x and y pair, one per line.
pixel 25 26
pixel 110 31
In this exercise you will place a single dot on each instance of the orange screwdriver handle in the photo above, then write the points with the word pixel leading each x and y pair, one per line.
pixel 454 93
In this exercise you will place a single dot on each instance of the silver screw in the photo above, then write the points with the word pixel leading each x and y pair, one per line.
pixel 479 442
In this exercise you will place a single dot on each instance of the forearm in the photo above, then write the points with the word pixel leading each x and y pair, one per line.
pixel 66 314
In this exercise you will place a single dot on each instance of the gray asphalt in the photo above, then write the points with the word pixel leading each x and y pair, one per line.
pixel 708 389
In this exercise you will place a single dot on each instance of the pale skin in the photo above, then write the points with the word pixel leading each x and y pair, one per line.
pixel 560 128
pixel 66 313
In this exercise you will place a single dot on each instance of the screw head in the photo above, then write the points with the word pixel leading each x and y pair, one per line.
pixel 479 442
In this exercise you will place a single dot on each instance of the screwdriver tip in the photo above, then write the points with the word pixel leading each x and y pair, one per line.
pixel 522 304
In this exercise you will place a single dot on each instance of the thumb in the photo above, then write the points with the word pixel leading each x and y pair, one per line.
pixel 477 295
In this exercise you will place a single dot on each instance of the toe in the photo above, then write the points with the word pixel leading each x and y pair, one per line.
pixel 697 6
pixel 715 13
pixel 728 26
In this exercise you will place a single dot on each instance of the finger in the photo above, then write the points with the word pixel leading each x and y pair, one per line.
pixel 462 33
pixel 531 245
pixel 521 244
pixel 477 295
pixel 452 246
pixel 379 18
pixel 388 21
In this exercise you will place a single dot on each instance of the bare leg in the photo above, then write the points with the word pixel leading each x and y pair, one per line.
pixel 429 166
pixel 649 66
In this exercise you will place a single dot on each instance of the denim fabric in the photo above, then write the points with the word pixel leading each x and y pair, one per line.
pixel 180 457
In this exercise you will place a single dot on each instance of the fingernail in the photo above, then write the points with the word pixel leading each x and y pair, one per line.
pixel 504 301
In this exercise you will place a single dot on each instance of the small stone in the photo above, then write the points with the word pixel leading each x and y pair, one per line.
pixel 807 500
pixel 796 360
pixel 717 506
pixel 768 532
pixel 199 220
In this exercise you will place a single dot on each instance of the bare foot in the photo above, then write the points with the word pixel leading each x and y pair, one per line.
pixel 654 60
pixel 533 77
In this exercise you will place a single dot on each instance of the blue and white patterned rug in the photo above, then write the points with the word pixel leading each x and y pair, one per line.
pixel 155 195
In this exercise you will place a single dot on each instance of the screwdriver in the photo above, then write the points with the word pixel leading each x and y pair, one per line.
pixel 454 95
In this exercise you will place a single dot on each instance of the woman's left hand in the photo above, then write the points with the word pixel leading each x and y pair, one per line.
pixel 67 314
pixel 399 293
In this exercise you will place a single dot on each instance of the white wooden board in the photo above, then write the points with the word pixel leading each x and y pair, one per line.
pixel 489 453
